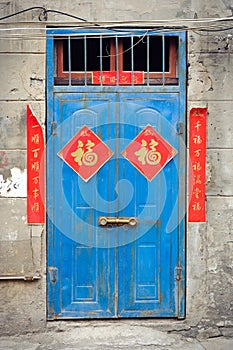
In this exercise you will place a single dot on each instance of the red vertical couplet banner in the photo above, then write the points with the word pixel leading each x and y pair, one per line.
pixel 35 170
pixel 197 165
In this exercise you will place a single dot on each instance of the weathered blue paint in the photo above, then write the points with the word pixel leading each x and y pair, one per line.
pixel 146 278
pixel 120 271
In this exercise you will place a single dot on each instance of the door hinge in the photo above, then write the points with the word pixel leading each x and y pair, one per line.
pixel 179 128
pixel 178 273
pixel 53 130
pixel 53 274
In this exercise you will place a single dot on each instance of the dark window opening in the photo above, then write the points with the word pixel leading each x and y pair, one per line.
pixel 77 59
pixel 147 60
pixel 140 54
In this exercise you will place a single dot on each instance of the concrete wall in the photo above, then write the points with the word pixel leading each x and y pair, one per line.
pixel 210 83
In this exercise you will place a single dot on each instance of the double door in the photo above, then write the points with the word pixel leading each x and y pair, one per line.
pixel 115 227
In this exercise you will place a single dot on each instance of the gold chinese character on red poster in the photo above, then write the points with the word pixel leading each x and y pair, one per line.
pixel 35 207
pixel 85 153
pixel 148 156
pixel 36 139
pixel 197 140
pixel 149 152
pixel 87 157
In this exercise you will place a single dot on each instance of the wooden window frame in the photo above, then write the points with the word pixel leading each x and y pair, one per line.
pixel 168 75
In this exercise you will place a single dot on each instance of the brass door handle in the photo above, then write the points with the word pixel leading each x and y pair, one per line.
pixel 105 220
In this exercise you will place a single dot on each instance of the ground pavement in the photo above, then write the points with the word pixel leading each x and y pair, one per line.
pixel 114 336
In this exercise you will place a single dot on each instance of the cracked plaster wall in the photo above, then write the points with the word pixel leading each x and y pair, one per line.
pixel 210 83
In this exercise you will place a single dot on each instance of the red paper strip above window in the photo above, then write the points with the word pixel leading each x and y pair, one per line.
pixel 35 170
pixel 197 168
pixel 124 78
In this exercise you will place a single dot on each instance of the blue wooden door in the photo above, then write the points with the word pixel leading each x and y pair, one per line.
pixel 147 265
pixel 114 270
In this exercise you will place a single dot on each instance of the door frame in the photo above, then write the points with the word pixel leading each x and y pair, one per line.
pixel 52 286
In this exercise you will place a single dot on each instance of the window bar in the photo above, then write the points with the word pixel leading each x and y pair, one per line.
pixel 148 60
pixel 85 60
pixel 117 63
pixel 132 62
pixel 101 60
pixel 163 59
pixel 69 60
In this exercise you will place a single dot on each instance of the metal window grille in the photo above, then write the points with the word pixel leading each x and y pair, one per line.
pixel 119 60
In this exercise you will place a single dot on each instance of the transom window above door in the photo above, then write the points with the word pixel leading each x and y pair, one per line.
pixel 119 60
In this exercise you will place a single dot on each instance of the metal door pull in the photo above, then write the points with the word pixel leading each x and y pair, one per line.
pixel 103 221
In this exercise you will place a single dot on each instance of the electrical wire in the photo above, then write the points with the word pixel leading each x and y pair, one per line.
pixel 118 30
pixel 208 25
pixel 126 50
pixel 66 14
pixel 23 11
pixel 43 13
pixel 42 33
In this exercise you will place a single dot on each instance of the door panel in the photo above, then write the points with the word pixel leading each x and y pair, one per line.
pixel 86 273
pixel 114 270
pixel 147 264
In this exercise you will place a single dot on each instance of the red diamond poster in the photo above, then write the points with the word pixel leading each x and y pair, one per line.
pixel 85 153
pixel 149 152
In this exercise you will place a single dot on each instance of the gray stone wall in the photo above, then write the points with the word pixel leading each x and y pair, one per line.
pixel 210 83
pixel 210 264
